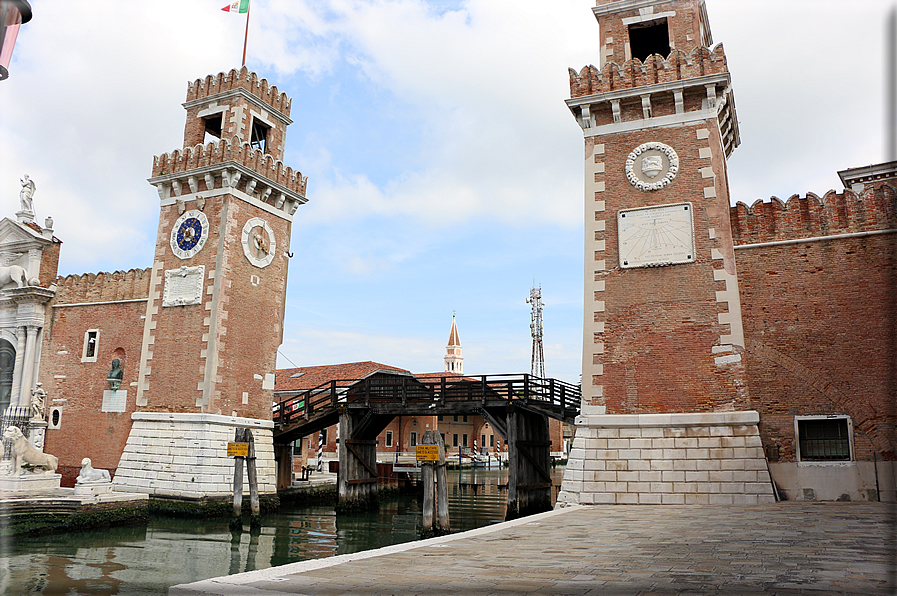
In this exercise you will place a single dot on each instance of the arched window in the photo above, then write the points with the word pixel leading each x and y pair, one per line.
pixel 7 366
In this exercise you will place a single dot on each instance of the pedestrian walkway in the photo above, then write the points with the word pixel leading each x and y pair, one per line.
pixel 817 549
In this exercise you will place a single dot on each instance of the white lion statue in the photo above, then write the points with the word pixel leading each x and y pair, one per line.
pixel 24 453
pixel 91 474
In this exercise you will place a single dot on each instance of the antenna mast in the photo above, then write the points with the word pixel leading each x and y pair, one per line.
pixel 537 366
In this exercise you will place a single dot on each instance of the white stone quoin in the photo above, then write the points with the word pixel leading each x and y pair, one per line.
pixel 185 455
pixel 666 459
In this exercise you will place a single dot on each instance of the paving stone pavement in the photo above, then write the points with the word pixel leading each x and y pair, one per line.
pixel 817 549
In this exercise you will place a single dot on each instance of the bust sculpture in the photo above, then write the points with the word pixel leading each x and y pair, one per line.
pixel 115 375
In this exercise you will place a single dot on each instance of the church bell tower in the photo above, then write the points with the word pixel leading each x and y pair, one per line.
pixel 666 415
pixel 214 317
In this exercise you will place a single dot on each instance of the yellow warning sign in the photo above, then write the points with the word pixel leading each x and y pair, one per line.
pixel 428 453
pixel 238 449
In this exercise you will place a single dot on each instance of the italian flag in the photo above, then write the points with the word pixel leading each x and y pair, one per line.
pixel 240 6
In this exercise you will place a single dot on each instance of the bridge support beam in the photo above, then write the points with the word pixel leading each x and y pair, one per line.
pixel 357 487
pixel 529 452
pixel 283 458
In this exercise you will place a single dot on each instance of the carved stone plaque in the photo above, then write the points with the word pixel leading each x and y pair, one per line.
pixel 183 286
pixel 656 236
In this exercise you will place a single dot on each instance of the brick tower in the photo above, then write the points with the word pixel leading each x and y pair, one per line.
pixel 214 318
pixel 666 413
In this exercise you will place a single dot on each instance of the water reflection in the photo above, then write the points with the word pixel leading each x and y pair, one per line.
pixel 147 559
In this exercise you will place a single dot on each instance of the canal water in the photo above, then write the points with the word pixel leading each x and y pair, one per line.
pixel 147 559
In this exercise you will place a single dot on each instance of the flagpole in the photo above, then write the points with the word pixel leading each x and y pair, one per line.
pixel 246 37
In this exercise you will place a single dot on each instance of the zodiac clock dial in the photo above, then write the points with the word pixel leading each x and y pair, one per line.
pixel 189 234
pixel 258 241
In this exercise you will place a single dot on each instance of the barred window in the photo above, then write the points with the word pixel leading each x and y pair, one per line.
pixel 823 439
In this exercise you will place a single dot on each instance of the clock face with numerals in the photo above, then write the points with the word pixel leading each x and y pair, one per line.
pixel 189 234
pixel 258 241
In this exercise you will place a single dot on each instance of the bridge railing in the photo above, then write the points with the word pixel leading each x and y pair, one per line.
pixel 307 404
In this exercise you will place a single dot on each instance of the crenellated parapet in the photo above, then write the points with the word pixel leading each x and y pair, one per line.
pixel 659 92
pixel 103 287
pixel 635 73
pixel 240 78
pixel 813 216
pixel 221 166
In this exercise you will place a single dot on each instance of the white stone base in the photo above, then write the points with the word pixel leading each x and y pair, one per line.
pixel 92 489
pixel 667 459
pixel 29 482
pixel 185 455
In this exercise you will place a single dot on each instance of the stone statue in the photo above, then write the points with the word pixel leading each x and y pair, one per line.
pixel 24 454
pixel 26 193
pixel 115 375
pixel 91 474
pixel 38 402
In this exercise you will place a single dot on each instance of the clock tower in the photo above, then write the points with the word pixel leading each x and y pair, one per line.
pixel 214 316
pixel 666 416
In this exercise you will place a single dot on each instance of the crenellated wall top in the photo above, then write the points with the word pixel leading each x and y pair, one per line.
pixel 240 78
pixel 634 73
pixel 132 284
pixel 232 150
pixel 814 216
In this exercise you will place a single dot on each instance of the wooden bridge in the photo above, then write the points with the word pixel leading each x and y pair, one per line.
pixel 517 406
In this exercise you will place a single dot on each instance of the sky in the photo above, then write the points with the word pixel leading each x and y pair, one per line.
pixel 445 171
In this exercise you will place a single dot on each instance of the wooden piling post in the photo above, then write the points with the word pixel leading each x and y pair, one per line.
pixel 442 509
pixel 429 509
pixel 255 519
pixel 237 520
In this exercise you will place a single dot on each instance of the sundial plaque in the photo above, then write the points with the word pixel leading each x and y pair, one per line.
pixel 656 236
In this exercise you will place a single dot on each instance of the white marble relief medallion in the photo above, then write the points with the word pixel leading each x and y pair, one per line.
pixel 652 166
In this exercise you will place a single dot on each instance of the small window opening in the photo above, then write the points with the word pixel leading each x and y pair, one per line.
pixel 823 439
pixel 413 439
pixel 454 439
pixel 259 139
pixel 91 338
pixel 648 38
pixel 465 419
pixel 492 440
pixel 389 438
pixel 464 439
pixel 212 128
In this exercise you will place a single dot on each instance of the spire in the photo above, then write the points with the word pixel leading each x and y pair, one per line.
pixel 454 363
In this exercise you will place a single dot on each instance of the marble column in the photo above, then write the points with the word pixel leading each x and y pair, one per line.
pixel 17 370
pixel 28 367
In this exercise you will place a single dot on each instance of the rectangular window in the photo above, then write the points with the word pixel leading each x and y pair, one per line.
pixel 464 439
pixel 259 139
pixel 439 418
pixel 465 419
pixel 482 440
pixel 212 128
pixel 455 440
pixel 389 438
pixel 649 37
pixel 823 438
pixel 91 341
pixel 492 440
pixel 413 438
pixel 454 418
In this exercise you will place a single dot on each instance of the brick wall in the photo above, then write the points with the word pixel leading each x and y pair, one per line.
pixel 820 317
pixel 85 430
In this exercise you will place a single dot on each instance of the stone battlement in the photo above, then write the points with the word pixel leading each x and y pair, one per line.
pixel 199 156
pixel 103 287
pixel 242 78
pixel 812 216
pixel 634 73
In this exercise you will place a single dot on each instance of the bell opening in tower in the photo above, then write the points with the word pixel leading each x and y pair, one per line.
pixel 648 38
pixel 212 128
pixel 259 136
